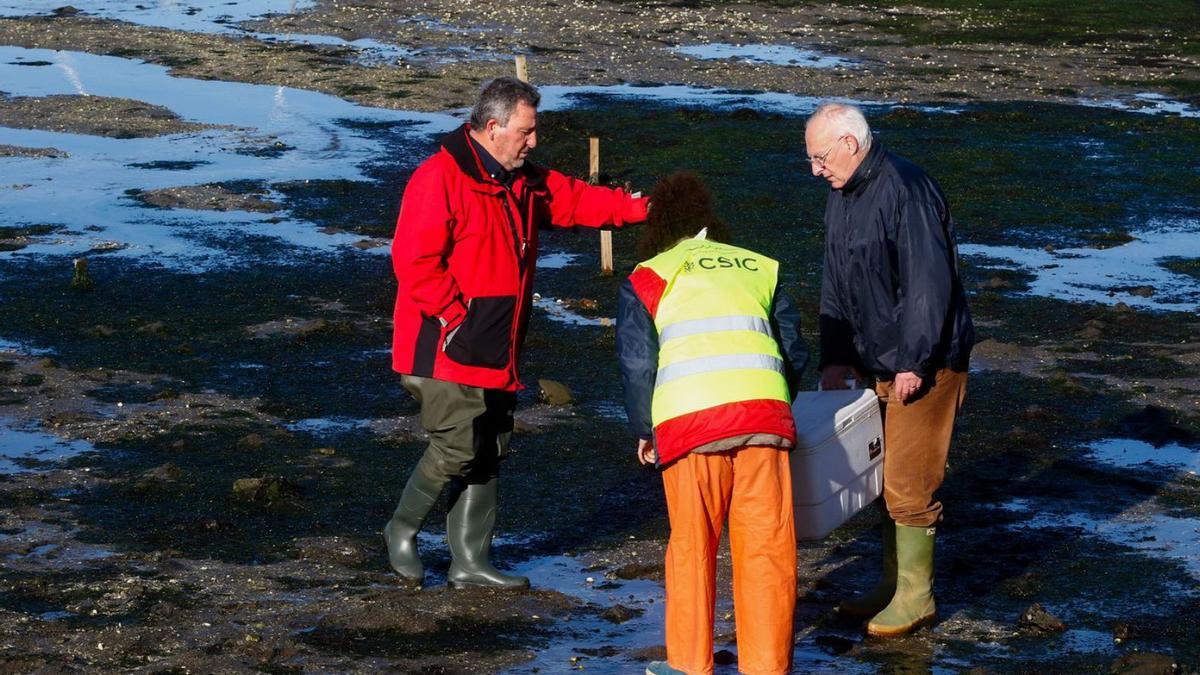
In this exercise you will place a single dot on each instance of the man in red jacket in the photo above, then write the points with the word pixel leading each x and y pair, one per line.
pixel 464 254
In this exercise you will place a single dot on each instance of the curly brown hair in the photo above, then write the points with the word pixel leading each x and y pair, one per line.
pixel 679 207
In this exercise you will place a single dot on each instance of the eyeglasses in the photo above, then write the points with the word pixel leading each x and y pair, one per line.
pixel 820 159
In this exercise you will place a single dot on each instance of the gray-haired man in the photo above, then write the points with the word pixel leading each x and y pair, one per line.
pixel 464 254
pixel 893 309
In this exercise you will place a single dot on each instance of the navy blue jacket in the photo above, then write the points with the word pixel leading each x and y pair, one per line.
pixel 891 298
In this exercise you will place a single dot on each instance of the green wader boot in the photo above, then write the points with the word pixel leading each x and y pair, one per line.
pixel 869 604
pixel 912 606
pixel 469 528
pixel 400 534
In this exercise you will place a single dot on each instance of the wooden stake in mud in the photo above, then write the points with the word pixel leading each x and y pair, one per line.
pixel 606 242
pixel 522 69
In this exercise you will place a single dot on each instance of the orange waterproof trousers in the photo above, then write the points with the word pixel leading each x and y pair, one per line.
pixel 752 485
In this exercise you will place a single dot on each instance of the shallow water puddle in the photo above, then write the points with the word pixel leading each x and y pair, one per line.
pixel 556 310
pixel 328 426
pixel 23 450
pixel 38 547
pixel 1129 453
pixel 1147 104
pixel 1131 273
pixel 596 644
pixel 199 16
pixel 1145 527
pixel 273 134
pixel 17 347
pixel 556 261
pixel 779 55
pixel 225 17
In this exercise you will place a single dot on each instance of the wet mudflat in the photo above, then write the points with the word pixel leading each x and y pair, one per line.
pixel 200 450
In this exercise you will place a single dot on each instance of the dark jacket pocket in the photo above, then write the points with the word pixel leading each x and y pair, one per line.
pixel 485 336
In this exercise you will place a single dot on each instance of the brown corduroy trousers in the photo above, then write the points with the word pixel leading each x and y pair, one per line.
pixel 916 444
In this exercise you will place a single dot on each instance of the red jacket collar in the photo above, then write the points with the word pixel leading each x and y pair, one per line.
pixel 458 145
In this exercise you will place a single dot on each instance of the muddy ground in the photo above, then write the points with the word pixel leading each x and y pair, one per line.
pixel 239 439
pixel 905 53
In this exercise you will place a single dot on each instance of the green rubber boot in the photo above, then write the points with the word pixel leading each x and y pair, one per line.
pixel 400 533
pixel 912 606
pixel 469 528
pixel 871 603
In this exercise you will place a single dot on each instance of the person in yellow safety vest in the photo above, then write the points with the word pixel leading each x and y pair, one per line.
pixel 710 354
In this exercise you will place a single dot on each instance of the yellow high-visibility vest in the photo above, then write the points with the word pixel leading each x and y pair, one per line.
pixel 715 344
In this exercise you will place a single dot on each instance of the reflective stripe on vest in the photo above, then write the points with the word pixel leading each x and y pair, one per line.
pixel 714 324
pixel 715 341
pixel 711 364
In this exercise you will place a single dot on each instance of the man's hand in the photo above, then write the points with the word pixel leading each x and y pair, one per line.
pixel 834 377
pixel 645 452
pixel 906 385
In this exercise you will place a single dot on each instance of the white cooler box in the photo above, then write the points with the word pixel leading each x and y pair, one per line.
pixel 837 464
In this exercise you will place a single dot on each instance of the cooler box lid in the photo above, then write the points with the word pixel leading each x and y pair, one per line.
pixel 820 415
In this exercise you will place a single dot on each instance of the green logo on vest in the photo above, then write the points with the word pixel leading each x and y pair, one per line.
pixel 724 262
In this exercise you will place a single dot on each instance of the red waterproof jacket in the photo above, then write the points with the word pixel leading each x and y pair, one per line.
pixel 464 255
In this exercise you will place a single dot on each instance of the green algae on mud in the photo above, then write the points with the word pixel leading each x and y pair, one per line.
pixel 1188 266
pixel 1032 174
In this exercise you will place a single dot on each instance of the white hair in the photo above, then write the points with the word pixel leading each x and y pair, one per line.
pixel 844 119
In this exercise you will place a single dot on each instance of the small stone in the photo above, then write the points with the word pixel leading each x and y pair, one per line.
pixel 1037 621
pixel 1145 663
pixel 724 657
pixel 619 614
pixel 153 328
pixel 326 451
pixel 166 473
pixel 555 393
pixel 246 488
pixel 268 489
pixel 632 571
pixel 1142 291
pixel 155 478
pixel 32 380
pixel 251 443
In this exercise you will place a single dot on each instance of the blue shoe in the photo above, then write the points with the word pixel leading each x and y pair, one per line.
pixel 662 668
